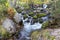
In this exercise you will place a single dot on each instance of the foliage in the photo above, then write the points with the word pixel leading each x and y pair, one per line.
pixel 45 24
pixel 3 31
pixel 3 7
pixel 3 11
pixel 3 1
pixel 56 12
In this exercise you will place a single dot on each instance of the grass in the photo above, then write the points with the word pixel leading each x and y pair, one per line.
pixel 43 34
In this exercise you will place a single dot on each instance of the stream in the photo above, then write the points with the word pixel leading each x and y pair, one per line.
pixel 30 25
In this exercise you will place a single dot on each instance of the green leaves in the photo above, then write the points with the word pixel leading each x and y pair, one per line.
pixel 3 1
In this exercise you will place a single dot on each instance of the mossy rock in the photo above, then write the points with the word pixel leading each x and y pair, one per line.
pixel 45 24
pixel 25 16
pixel 35 35
pixel 3 32
pixel 27 7
pixel 41 15
pixel 35 17
pixel 19 10
pixel 31 14
pixel 40 21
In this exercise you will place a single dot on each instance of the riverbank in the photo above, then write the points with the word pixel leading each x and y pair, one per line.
pixel 46 34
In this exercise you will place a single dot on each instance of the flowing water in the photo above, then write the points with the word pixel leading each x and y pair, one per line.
pixel 29 25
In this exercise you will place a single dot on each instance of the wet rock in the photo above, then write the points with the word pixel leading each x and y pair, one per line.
pixel 35 21
pixel 44 11
pixel 23 12
pixel 38 11
pixel 19 10
pixel 18 17
pixel 40 20
pixel 44 18
pixel 34 11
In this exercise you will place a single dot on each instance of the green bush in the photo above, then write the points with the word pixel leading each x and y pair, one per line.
pixel 3 11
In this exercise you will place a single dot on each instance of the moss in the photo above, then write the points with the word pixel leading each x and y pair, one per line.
pixel 41 15
pixel 34 17
pixel 19 10
pixel 25 16
pixel 45 24
pixel 42 34
pixel 2 31
pixel 31 14
pixel 52 37
pixel 37 2
pixel 26 7
pixel 35 35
